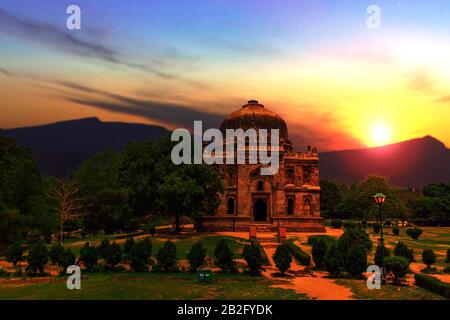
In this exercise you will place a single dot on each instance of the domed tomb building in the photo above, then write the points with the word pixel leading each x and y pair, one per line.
pixel 289 198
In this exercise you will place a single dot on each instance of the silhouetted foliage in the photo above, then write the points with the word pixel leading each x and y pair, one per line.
pixel 167 256
pixel 224 257
pixel 37 258
pixel 253 257
pixel 282 258
pixel 196 256
pixel 428 257
pixel 14 253
pixel 402 250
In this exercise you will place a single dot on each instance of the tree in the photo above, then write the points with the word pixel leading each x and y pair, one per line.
pixel 146 244
pixel 332 261
pixel 414 232
pixel 105 197
pixel 23 209
pixel 319 251
pixel 354 237
pixel 167 256
pixel 196 256
pixel 253 257
pixel 65 259
pixel 190 190
pixel 14 253
pixel 128 246
pixel 395 231
pixel 224 257
pixel 103 248
pixel 428 257
pixel 282 258
pixel 69 204
pixel 364 204
pixel 330 197
pixel 398 267
pixel 401 250
pixel 380 253
pixel 89 256
pixel 55 253
pixel 355 261
pixel 37 258
pixel 139 257
pixel 113 256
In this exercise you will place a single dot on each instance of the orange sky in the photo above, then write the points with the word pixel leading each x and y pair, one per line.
pixel 344 89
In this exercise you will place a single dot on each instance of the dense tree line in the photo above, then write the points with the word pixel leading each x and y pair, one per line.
pixel 341 201
pixel 112 191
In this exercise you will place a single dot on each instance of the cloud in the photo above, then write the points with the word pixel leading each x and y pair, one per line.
pixel 6 72
pixel 56 38
pixel 421 80
pixel 175 114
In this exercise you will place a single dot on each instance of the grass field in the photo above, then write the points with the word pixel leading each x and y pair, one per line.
pixel 240 286
pixel 387 292
pixel 152 286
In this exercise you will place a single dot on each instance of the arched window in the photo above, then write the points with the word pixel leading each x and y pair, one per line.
pixel 260 186
pixel 230 208
pixel 307 206
pixel 290 206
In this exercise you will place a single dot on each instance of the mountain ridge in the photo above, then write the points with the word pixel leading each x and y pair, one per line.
pixel 62 146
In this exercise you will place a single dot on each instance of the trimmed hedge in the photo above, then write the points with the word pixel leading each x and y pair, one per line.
pixel 299 255
pixel 433 284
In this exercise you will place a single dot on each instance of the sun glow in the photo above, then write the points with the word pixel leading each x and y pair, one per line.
pixel 380 134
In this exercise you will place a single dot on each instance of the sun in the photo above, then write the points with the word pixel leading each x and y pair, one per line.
pixel 380 134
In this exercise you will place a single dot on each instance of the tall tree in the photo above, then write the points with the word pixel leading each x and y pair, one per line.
pixel 191 190
pixel 105 197
pixel 69 204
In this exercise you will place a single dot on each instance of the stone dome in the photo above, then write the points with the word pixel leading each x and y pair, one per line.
pixel 254 116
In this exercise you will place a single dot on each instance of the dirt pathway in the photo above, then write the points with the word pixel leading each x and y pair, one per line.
pixel 312 283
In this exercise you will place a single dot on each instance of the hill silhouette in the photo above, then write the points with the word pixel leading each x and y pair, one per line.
pixel 62 146
pixel 412 163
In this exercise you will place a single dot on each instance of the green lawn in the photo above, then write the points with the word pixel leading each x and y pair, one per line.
pixel 152 286
pixel 435 238
pixel 387 292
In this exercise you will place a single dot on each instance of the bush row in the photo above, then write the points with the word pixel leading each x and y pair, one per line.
pixel 433 284
pixel 299 255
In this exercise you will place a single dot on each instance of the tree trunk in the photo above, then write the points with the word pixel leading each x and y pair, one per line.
pixel 177 223
pixel 61 233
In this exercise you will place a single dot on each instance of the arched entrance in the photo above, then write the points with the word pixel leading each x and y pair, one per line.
pixel 260 210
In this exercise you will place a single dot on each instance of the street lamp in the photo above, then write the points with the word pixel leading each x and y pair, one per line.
pixel 379 200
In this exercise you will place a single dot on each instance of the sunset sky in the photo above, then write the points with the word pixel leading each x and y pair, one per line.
pixel 338 84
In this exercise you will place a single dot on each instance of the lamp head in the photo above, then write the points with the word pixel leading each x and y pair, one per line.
pixel 379 198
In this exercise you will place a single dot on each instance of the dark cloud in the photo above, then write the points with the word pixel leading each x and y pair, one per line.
pixel 175 114
pixel 327 136
pixel 57 38
pixel 6 72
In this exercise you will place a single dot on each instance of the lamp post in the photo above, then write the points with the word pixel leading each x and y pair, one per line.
pixel 379 200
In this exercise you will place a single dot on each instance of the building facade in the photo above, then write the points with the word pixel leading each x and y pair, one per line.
pixel 289 198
